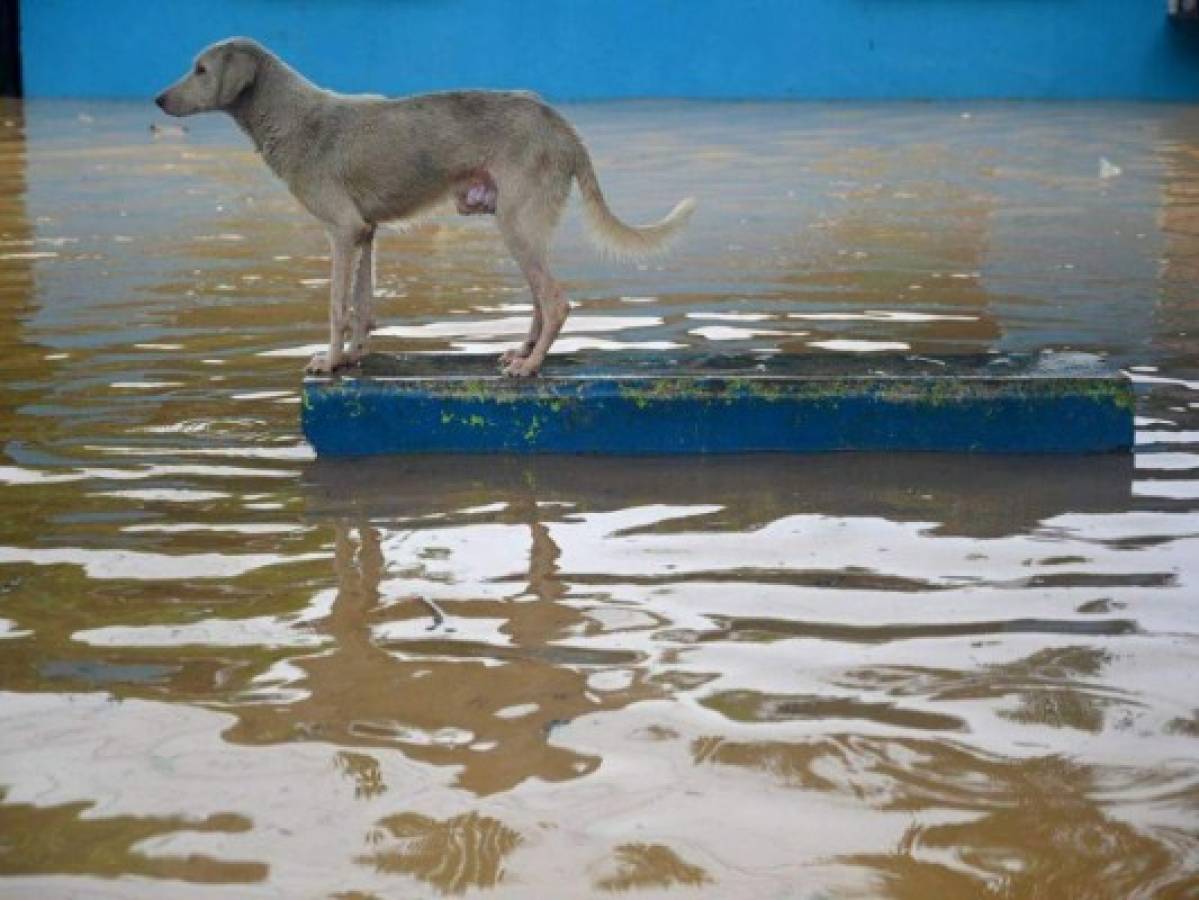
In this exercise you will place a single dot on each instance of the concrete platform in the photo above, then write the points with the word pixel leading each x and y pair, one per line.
pixel 688 402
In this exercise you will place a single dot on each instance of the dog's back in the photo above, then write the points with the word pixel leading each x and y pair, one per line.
pixel 398 157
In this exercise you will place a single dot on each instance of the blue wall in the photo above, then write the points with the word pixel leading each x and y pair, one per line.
pixel 596 49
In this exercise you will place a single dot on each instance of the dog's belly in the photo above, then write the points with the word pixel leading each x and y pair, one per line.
pixel 401 204
pixel 398 185
pixel 475 193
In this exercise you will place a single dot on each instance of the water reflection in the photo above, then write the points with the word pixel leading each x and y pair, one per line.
pixel 948 495
pixel 1032 827
pixel 859 675
pixel 1048 836
pixel 647 866
pixel 65 840
pixel 481 689
pixel 464 852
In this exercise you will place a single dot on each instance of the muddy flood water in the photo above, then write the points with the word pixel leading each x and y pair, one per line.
pixel 229 669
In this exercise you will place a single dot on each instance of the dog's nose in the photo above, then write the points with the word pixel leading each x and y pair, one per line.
pixel 161 100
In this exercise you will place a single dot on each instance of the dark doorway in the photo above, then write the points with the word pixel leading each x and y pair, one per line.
pixel 10 49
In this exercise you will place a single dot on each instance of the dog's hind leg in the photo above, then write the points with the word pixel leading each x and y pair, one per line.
pixel 526 231
pixel 554 309
pixel 510 356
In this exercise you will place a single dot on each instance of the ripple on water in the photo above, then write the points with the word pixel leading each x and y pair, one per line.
pixel 1027 818
pixel 871 675
pixel 454 855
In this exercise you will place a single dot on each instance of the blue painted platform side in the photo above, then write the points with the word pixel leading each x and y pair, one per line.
pixel 682 416
pixel 574 50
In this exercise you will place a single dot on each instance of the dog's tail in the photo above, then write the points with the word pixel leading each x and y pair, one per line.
pixel 613 235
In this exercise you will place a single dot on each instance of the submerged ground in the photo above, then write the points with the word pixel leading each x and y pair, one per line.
pixel 229 669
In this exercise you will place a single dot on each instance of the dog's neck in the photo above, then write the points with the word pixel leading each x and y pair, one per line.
pixel 272 111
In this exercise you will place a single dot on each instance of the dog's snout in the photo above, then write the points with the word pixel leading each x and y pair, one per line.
pixel 161 100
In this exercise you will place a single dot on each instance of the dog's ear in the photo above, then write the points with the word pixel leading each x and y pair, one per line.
pixel 237 73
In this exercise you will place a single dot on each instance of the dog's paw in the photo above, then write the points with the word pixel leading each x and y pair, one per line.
pixel 508 357
pixel 319 365
pixel 521 368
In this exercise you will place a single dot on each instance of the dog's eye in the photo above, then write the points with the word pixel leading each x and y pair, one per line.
pixel 201 68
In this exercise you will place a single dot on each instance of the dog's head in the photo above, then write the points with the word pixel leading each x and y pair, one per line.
pixel 220 75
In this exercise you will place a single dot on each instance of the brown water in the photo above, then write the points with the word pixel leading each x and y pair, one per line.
pixel 227 669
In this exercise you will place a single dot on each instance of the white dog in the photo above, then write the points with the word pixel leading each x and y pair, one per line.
pixel 354 162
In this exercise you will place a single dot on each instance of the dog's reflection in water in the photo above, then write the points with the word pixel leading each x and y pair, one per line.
pixel 437 694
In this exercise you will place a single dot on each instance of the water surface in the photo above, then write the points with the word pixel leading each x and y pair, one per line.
pixel 228 669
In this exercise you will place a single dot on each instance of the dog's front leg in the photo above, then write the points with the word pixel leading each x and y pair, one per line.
pixel 344 259
pixel 361 319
